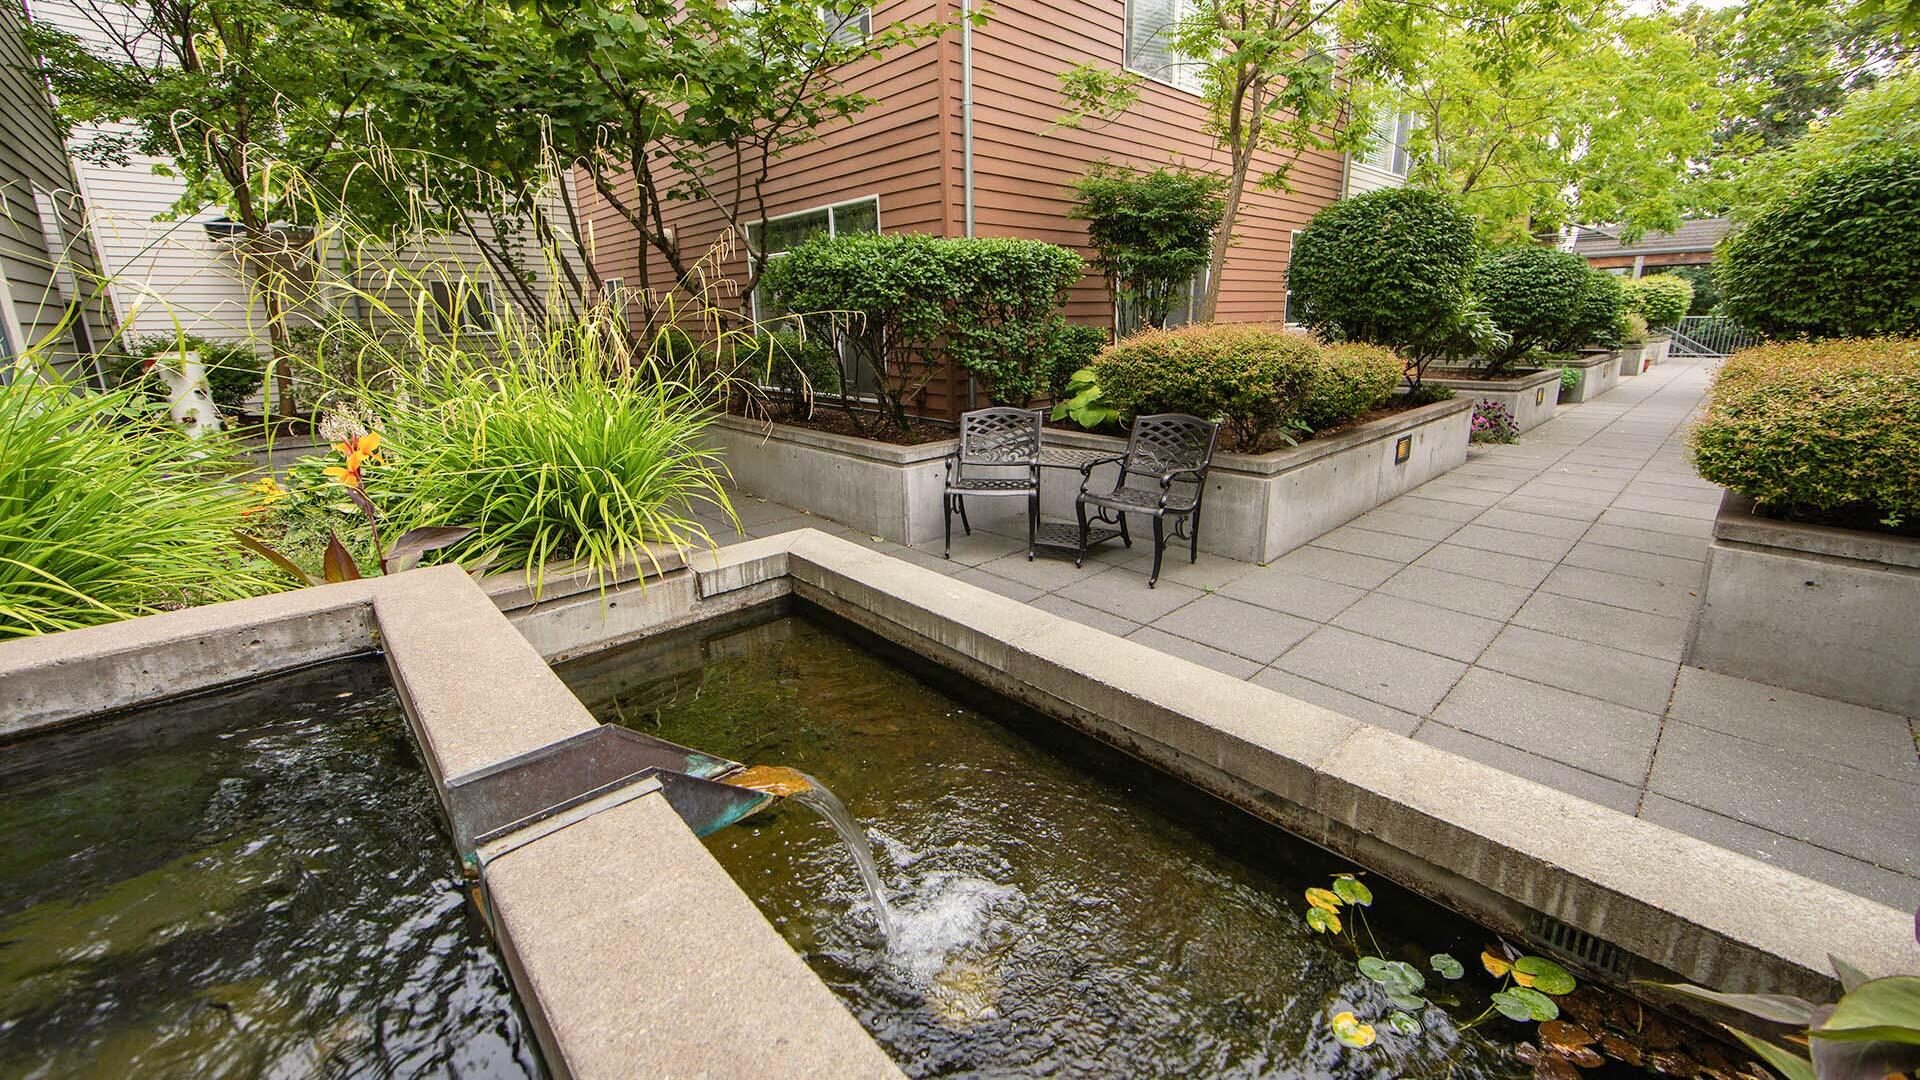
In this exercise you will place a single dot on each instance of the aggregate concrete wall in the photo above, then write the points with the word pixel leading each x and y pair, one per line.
pixel 1599 373
pixel 1825 611
pixel 1633 360
pixel 879 488
pixel 1530 397
pixel 1656 349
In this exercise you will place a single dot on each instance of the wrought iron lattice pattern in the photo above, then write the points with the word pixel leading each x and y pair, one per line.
pixel 1000 437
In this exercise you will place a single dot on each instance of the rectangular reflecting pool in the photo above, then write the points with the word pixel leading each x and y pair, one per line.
pixel 1061 909
pixel 251 883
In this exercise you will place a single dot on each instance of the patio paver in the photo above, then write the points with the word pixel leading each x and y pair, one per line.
pixel 1527 610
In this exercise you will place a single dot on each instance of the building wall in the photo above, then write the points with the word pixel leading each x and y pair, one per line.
pixel 1641 265
pixel 908 149
pixel 46 263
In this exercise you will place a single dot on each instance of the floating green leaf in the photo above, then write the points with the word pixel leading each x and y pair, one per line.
pixel 1407 1001
pixel 1404 1023
pixel 1351 1032
pixel 1352 891
pixel 1403 978
pixel 1323 921
pixel 1323 899
pixel 1523 1003
pixel 1543 975
pixel 1447 966
pixel 1373 968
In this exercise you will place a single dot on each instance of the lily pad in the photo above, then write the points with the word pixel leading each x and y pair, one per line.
pixel 1351 1032
pixel 1446 966
pixel 1523 1004
pixel 1543 975
pixel 1373 968
pixel 1352 891
pixel 1323 899
pixel 1323 921
pixel 1404 1023
pixel 1495 966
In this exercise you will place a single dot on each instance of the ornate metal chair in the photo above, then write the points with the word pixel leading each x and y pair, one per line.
pixel 1000 439
pixel 1172 451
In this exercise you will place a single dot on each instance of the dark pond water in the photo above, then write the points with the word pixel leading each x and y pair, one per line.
pixel 1063 910
pixel 253 883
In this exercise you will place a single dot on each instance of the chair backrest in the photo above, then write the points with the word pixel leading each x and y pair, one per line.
pixel 1000 436
pixel 1164 442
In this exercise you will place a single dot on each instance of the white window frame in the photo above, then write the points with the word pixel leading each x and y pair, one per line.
pixel 1286 302
pixel 879 226
pixel 859 21
pixel 1196 291
pixel 1185 74
pixel 444 294
pixel 1393 142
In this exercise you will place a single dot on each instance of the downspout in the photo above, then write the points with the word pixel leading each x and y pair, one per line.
pixel 966 148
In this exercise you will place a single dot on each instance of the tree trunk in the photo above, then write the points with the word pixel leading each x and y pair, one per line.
pixel 1223 236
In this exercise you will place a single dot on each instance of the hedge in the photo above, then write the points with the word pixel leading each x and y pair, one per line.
pixel 1597 317
pixel 1258 379
pixel 1388 267
pixel 1838 258
pixel 1661 299
pixel 1534 294
pixel 1819 427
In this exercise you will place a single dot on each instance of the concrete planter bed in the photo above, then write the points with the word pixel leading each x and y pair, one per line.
pixel 1599 372
pixel 1529 395
pixel 1823 610
pixel 629 944
pixel 880 488
pixel 1633 360
pixel 1656 349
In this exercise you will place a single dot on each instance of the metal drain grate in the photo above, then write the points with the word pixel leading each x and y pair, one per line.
pixel 1602 956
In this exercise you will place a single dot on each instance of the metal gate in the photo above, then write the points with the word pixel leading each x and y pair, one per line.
pixel 1710 335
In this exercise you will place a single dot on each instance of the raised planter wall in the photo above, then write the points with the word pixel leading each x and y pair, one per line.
pixel 1599 373
pixel 1530 396
pixel 1822 610
pixel 1633 360
pixel 876 487
pixel 1655 349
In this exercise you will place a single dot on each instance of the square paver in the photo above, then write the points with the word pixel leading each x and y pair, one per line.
pixel 1406 679
pixel 973 575
pixel 1205 655
pixel 1491 565
pixel 1360 571
pixel 1842 871
pixel 1642 564
pixel 1457 592
pixel 1852 735
pixel 1359 541
pixel 1420 626
pixel 1833 806
pixel 1125 593
pixel 1535 504
pixel 1657 543
pixel 1307 597
pixel 1507 542
pixel 1047 571
pixel 1693 508
pixel 1571 491
pixel 1556 775
pixel 1544 524
pixel 1666 523
pixel 1444 490
pixel 1659 636
pixel 1415 503
pixel 980 548
pixel 1235 626
pixel 1619 590
pixel 1347 705
pixel 1087 616
pixel 1598 736
pixel 1209 572
pixel 1403 522
pixel 1597 671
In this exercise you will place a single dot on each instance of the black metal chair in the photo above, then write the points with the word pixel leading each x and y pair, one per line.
pixel 1000 439
pixel 1173 451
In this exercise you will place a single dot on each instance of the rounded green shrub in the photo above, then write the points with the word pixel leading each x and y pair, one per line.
pixel 1252 377
pixel 1661 299
pixel 799 365
pixel 1350 378
pixel 1388 268
pixel 1534 294
pixel 1818 426
pixel 1840 257
pixel 1596 319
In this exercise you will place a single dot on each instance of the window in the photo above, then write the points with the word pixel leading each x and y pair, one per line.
pixel 1151 28
pixel 1387 149
pixel 1288 315
pixel 775 237
pixel 470 301
pixel 1186 302
pixel 848 27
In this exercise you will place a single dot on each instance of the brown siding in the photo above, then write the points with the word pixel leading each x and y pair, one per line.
pixel 908 150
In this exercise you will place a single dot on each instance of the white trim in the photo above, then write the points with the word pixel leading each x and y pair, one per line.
pixel 1181 10
pixel 753 298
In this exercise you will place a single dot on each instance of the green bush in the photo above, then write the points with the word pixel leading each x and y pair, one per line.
pixel 1533 293
pixel 1350 378
pixel 1252 377
pixel 1838 257
pixel 1829 426
pixel 1073 350
pixel 1706 294
pixel 1150 233
pixel 1632 328
pixel 902 302
pixel 800 366
pixel 106 511
pixel 1596 319
pixel 1388 268
pixel 1660 299
pixel 234 371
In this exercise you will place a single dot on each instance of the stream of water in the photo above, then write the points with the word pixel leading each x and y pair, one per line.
pixel 824 802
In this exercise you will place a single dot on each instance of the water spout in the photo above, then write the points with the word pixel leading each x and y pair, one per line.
pixel 812 794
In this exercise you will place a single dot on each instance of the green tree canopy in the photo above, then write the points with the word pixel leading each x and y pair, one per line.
pixel 1150 232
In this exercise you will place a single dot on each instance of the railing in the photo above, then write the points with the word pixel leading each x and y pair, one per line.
pixel 1709 335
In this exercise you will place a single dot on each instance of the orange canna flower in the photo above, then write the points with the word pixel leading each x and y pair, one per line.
pixel 359 451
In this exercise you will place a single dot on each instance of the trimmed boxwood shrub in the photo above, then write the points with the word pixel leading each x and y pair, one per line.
pixel 1250 376
pixel 1596 319
pixel 901 302
pixel 1839 258
pixel 1534 294
pixel 1350 378
pixel 1388 268
pixel 1660 299
pixel 1828 427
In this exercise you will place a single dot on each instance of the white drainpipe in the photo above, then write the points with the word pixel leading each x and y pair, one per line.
pixel 966 110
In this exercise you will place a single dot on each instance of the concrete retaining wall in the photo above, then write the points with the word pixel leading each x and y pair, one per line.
pixel 1826 611
pixel 1599 373
pixel 1656 349
pixel 879 488
pixel 1530 397
pixel 1633 360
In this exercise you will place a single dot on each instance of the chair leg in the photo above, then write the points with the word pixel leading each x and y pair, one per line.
pixel 1125 537
pixel 1033 522
pixel 1159 548
pixel 961 501
pixel 1193 542
pixel 946 518
pixel 1080 509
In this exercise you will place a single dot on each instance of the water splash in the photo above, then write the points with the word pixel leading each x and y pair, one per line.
pixel 820 800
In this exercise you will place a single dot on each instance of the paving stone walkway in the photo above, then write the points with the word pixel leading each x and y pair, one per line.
pixel 1528 610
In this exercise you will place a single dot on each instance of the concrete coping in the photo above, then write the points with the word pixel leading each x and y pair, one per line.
pixel 1738 522
pixel 1513 382
pixel 513 590
pixel 1593 359
pixel 850 445
pixel 1281 461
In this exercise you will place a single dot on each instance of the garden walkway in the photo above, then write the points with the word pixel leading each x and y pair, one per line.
pixel 1527 610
